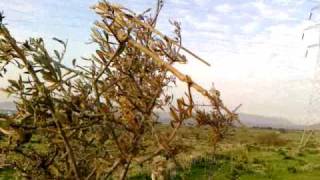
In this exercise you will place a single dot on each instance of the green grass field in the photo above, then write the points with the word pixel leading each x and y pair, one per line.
pixel 253 154
pixel 249 154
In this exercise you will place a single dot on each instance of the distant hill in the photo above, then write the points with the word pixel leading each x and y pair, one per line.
pixel 251 120
pixel 315 126
pixel 7 105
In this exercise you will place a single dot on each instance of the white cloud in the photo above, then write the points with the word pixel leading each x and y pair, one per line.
pixel 212 24
pixel 264 70
pixel 250 27
pixel 289 2
pixel 271 12
pixel 17 11
pixel 201 2
pixel 179 2
pixel 18 6
pixel 224 8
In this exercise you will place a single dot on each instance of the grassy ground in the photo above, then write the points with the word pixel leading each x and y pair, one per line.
pixel 249 154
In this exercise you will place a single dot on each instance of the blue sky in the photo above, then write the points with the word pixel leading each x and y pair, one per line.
pixel 254 46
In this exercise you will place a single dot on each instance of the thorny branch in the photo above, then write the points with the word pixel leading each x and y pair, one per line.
pixel 98 116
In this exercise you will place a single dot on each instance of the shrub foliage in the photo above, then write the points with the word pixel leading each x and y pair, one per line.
pixel 90 121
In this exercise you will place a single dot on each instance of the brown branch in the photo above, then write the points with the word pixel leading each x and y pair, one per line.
pixel 92 173
pixel 158 151
pixel 112 169
pixel 145 25
pixel 180 75
pixel 125 170
pixel 66 142
pixel 21 54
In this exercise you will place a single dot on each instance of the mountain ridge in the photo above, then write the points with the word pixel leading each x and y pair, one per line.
pixel 7 105
pixel 252 120
pixel 249 120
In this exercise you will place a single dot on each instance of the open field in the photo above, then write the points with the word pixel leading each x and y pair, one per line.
pixel 245 154
pixel 249 154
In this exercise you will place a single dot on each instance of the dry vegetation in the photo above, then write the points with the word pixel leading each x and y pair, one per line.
pixel 95 120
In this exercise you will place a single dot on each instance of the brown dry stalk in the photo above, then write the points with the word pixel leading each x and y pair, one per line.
pixel 100 10
pixel 180 76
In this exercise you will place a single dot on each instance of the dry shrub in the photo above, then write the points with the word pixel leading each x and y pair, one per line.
pixel 91 121
pixel 271 139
